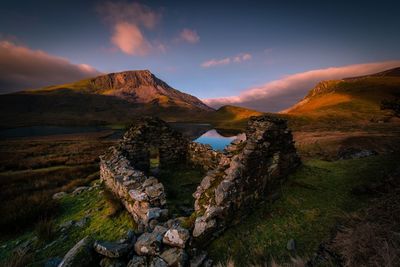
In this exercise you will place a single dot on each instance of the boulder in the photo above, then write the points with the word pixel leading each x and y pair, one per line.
pixel 176 237
pixel 79 255
pixel 137 261
pixel 203 225
pixel 157 262
pixel 175 257
pixel 155 190
pixel 138 195
pixel 59 195
pixel 107 262
pixel 148 244
pixel 111 250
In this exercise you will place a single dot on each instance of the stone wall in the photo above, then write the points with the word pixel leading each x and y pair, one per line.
pixel 143 197
pixel 253 167
pixel 156 133
pixel 203 156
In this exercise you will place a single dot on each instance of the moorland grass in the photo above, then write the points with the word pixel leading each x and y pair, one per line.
pixel 32 171
pixel 100 226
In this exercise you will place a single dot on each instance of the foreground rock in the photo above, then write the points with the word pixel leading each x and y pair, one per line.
pixel 175 257
pixel 148 244
pixel 176 237
pixel 80 255
pixel 112 250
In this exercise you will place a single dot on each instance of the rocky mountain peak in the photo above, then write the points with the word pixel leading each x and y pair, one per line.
pixel 142 86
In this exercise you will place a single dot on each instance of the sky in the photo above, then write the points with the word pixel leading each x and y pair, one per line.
pixel 258 54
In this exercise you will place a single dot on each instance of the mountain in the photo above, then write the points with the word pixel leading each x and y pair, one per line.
pixel 110 98
pixel 140 86
pixel 355 99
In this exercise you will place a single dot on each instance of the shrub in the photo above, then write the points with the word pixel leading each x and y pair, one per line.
pixel 45 229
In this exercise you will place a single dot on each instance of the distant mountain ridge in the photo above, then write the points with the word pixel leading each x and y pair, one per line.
pixel 352 99
pixel 138 86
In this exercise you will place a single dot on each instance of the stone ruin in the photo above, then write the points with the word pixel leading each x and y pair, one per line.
pixel 249 170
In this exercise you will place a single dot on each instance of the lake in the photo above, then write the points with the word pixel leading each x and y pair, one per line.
pixel 215 139
pixel 201 133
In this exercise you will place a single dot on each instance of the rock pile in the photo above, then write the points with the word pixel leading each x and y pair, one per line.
pixel 162 247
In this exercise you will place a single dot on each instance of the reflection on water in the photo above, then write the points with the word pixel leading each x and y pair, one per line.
pixel 191 130
pixel 215 139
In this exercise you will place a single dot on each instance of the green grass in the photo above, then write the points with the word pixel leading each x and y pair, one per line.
pixel 100 226
pixel 315 197
pixel 180 184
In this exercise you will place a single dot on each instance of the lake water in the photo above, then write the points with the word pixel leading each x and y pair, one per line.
pixel 215 139
pixel 201 133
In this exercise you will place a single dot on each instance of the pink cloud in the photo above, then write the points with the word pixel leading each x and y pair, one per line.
pixel 130 40
pixel 22 68
pixel 128 21
pixel 189 36
pixel 225 61
pixel 283 93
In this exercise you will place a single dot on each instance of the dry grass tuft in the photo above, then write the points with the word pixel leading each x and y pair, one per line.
pixel 114 205
pixel 372 238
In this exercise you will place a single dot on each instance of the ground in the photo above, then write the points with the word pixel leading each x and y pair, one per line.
pixel 314 199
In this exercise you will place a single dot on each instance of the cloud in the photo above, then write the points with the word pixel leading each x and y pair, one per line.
pixel 129 39
pixel 189 36
pixel 22 68
pixel 128 21
pixel 283 93
pixel 225 61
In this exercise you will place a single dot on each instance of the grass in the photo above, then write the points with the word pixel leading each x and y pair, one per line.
pixel 33 170
pixel 312 201
pixel 100 225
pixel 180 184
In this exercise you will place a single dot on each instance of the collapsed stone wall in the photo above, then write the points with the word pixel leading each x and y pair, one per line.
pixel 253 167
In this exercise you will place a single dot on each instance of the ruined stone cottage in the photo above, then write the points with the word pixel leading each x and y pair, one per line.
pixel 241 176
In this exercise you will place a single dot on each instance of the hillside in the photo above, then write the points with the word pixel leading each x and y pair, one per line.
pixel 231 116
pixel 352 100
pixel 110 98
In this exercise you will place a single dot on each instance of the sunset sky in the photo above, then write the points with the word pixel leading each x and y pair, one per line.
pixel 259 54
